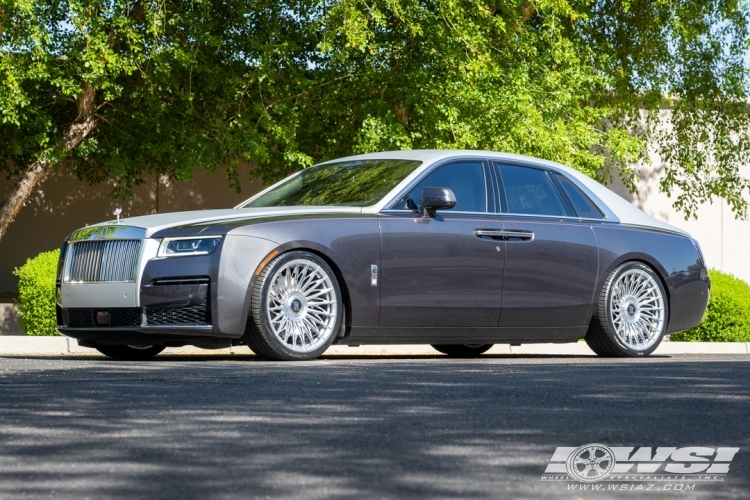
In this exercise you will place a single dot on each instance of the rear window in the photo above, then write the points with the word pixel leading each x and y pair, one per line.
pixel 530 191
pixel 580 201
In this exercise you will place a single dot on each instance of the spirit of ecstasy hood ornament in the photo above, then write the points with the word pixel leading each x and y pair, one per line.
pixel 117 213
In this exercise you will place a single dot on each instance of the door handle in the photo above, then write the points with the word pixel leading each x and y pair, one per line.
pixel 502 234
pixel 492 233
pixel 520 234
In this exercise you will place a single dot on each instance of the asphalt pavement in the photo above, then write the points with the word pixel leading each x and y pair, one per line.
pixel 202 426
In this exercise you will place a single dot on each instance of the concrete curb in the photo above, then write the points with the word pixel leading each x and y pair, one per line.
pixel 64 346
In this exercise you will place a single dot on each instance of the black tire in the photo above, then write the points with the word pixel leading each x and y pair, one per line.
pixel 601 336
pixel 260 336
pixel 462 350
pixel 127 352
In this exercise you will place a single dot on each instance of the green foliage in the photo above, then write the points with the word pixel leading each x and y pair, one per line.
pixel 36 294
pixel 281 84
pixel 728 315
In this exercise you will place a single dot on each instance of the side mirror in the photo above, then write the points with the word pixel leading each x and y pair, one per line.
pixel 434 198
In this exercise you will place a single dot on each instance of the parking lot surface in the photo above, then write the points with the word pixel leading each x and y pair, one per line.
pixel 200 426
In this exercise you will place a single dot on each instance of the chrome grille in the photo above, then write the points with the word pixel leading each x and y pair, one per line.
pixel 104 260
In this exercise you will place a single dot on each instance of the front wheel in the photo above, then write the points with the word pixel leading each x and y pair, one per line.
pixel 631 315
pixel 296 308
pixel 462 350
pixel 132 352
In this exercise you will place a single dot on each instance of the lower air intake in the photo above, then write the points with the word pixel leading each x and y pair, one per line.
pixel 86 318
pixel 194 315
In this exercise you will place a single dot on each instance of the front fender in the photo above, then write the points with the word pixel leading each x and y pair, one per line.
pixel 240 257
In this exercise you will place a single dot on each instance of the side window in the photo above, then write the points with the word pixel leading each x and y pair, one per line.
pixel 581 202
pixel 466 179
pixel 530 191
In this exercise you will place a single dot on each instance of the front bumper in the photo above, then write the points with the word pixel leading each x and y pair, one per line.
pixel 163 304
pixel 187 298
pixel 200 336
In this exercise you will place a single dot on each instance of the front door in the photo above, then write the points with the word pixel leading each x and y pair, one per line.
pixel 444 271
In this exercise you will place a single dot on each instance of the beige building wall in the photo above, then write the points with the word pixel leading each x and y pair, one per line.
pixel 63 204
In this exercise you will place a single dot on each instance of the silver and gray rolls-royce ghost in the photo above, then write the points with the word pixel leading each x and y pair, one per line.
pixel 458 249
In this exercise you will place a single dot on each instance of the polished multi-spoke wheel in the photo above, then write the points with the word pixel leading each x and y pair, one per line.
pixel 296 308
pixel 301 305
pixel 636 309
pixel 632 313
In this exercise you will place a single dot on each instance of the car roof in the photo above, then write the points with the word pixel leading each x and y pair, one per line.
pixel 430 155
pixel 615 207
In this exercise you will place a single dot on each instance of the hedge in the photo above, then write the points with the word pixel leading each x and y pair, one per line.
pixel 36 294
pixel 728 316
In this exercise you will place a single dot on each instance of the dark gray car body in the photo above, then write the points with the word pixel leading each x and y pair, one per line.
pixel 438 281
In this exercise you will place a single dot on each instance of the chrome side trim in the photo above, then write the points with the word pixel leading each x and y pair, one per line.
pixel 445 211
pixel 503 214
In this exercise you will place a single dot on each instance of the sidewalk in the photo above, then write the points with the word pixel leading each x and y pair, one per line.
pixel 13 345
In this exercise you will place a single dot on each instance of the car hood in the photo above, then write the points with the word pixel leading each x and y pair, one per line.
pixel 159 222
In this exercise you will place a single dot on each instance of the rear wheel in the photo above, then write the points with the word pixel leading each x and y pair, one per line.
pixel 296 308
pixel 462 350
pixel 132 352
pixel 631 315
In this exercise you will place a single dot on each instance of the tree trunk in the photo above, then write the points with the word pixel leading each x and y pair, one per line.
pixel 75 133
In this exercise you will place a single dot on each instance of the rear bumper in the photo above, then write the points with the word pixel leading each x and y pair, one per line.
pixel 688 303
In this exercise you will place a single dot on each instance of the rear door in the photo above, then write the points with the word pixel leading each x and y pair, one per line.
pixel 551 257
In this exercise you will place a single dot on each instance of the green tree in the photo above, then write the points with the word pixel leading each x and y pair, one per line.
pixel 121 89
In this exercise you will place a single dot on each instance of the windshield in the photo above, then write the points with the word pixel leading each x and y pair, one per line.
pixel 358 183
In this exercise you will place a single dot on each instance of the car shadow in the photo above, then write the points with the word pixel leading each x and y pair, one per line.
pixel 181 427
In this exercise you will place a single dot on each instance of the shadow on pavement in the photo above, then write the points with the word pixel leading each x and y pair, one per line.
pixel 401 426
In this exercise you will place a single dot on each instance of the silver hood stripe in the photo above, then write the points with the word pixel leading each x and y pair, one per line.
pixel 158 222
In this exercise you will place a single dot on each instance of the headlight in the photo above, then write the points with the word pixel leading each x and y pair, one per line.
pixel 174 247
